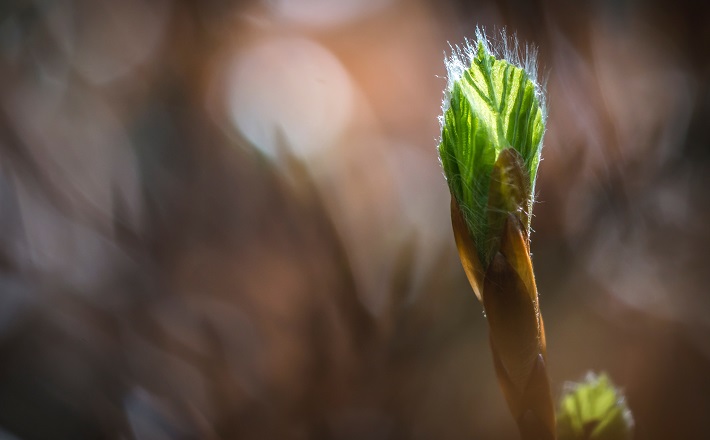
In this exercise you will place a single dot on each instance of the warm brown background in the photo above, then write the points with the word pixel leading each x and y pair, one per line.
pixel 227 219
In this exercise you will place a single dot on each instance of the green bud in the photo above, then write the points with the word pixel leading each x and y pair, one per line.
pixel 594 410
pixel 492 104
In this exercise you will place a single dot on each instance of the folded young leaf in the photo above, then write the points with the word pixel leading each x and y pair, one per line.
pixel 492 102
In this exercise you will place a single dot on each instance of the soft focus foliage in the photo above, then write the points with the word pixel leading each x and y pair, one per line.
pixel 594 410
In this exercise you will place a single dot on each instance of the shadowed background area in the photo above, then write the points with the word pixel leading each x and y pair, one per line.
pixel 227 220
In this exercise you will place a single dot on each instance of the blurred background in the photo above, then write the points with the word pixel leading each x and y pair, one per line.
pixel 227 219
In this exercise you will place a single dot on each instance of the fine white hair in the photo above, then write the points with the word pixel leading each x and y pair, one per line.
pixel 504 47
